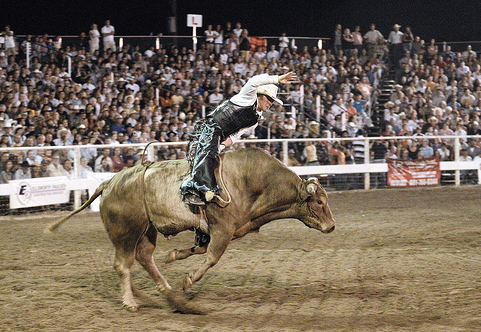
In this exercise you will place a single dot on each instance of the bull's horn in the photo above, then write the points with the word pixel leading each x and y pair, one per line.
pixel 311 188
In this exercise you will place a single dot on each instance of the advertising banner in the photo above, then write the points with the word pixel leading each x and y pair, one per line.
pixel 413 173
pixel 38 192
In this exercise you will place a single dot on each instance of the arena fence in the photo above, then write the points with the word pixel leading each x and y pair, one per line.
pixel 165 41
pixel 67 192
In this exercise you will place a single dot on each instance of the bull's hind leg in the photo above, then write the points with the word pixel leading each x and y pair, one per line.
pixel 221 236
pixel 123 263
pixel 145 256
pixel 125 239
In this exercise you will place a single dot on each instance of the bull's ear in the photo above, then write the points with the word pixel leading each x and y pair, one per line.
pixel 307 188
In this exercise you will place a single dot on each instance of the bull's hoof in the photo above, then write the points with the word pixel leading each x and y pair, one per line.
pixel 130 307
pixel 164 288
pixel 188 282
pixel 171 256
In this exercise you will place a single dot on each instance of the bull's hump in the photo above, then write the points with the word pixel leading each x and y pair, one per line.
pixel 256 160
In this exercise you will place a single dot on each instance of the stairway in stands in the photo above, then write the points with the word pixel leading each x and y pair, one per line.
pixel 386 88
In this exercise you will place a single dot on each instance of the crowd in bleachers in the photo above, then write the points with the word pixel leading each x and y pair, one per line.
pixel 137 94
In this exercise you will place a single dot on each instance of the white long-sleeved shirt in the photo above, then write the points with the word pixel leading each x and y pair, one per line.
pixel 247 96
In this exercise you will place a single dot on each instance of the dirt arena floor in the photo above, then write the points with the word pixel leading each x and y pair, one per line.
pixel 399 260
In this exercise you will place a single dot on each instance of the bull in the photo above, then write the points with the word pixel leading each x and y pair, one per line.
pixel 139 202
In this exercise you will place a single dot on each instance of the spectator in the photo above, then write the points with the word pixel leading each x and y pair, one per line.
pixel 32 158
pixel 310 154
pixel 432 49
pixel 68 169
pixel 365 88
pixel 55 168
pixel 64 137
pixel 465 173
pixel 219 39
pixel 337 39
pixel 469 53
pixel 216 97
pixel 118 125
pixel 359 103
pixel 357 39
pixel 117 160
pixel 238 30
pixel 244 45
pixel 7 172
pixel 283 43
pixel 347 42
pixel 473 150
pixel 358 147
pixel 426 149
pixel 104 166
pixel 373 39
pixel 258 56
pixel 395 40
pixel 444 153
pixel 10 43
pixel 273 54
pixel 85 169
pixel 104 158
pixel 94 41
pixel 210 35
pixel 408 39
pixel 108 32
pixel 24 172
pixel 474 129
pixel 291 159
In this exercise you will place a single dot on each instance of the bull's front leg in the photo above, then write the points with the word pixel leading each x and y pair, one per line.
pixel 201 242
pixel 221 236
pixel 176 254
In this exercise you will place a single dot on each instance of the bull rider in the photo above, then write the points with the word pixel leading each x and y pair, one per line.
pixel 221 128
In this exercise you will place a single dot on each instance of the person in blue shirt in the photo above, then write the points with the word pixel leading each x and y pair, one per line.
pixel 118 125
pixel 359 104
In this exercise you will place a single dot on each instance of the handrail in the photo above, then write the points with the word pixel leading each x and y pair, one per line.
pixel 365 168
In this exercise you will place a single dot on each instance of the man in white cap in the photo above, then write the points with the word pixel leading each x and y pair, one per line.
pixel 395 40
pixel 226 124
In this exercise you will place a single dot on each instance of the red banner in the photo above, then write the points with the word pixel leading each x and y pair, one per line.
pixel 413 173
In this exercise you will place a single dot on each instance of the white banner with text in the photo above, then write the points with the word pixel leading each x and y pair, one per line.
pixel 38 192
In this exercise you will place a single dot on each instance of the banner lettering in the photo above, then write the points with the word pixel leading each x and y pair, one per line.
pixel 413 173
pixel 38 192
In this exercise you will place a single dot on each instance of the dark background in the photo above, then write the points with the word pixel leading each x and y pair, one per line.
pixel 442 20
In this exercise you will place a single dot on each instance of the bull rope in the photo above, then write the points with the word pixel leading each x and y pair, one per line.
pixel 203 227
pixel 220 200
pixel 146 164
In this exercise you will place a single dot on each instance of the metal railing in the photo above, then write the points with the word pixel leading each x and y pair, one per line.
pixel 282 147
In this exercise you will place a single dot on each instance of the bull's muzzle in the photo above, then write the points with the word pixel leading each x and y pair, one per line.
pixel 328 227
pixel 330 230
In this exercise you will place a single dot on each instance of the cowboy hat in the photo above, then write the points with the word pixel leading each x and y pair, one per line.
pixel 60 131
pixel 389 104
pixel 269 90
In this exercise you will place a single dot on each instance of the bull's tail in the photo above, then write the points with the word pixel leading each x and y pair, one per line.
pixel 53 226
